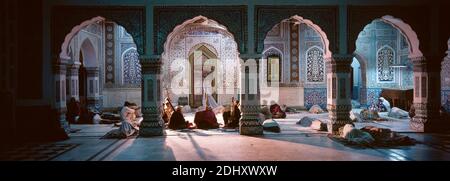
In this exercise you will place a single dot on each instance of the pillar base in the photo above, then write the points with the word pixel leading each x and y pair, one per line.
pixel 250 123
pixel 427 125
pixel 149 129
pixel 61 116
pixel 426 119
pixel 339 117
pixel 250 128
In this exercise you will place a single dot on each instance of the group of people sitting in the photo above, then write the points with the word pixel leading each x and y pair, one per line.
pixel 205 119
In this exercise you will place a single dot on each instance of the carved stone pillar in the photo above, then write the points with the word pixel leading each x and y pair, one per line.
pixel 426 96
pixel 93 94
pixel 59 73
pixel 338 92
pixel 445 82
pixel 72 81
pixel 153 124
pixel 249 97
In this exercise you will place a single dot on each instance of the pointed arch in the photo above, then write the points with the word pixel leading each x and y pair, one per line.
pixel 64 47
pixel 323 36
pixel 205 47
pixel 271 50
pixel 89 53
pixel 408 32
pixel 196 21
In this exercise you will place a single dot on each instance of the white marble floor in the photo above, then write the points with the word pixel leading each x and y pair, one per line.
pixel 293 143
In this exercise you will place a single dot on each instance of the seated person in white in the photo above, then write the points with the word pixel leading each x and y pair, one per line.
pixel 130 122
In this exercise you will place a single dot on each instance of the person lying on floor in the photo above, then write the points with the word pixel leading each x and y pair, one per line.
pixel 177 120
pixel 206 119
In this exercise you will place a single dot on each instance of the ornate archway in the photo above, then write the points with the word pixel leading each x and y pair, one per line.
pixel 426 111
pixel 188 37
pixel 67 64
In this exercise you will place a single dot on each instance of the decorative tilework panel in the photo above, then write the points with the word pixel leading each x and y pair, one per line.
pixel 131 67
pixel 372 95
pixel 109 52
pixel 315 96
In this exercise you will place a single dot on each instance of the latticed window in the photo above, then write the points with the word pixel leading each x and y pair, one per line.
pixel 131 67
pixel 314 65
pixel 385 60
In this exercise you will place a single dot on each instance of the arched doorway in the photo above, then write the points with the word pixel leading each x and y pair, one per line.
pixel 82 81
pixel 103 69
pixel 88 60
pixel 201 65
pixel 359 74
pixel 295 54
pixel 200 56
pixel 389 48
pixel 293 70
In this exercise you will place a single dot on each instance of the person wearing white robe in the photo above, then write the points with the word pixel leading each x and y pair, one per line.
pixel 130 125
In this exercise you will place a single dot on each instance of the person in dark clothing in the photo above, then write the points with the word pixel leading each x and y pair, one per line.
pixel 235 116
pixel 206 119
pixel 276 111
pixel 177 120
pixel 73 110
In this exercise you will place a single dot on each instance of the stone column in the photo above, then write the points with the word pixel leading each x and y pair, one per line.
pixel 152 125
pixel 249 96
pixel 93 95
pixel 426 95
pixel 338 92
pixel 72 81
pixel 445 82
pixel 59 73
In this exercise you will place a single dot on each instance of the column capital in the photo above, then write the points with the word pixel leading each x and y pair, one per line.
pixel 151 66
pixel 343 58
pixel 418 60
pixel 59 68
pixel 339 64
pixel 423 64
pixel 152 58
pixel 72 69
pixel 254 56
